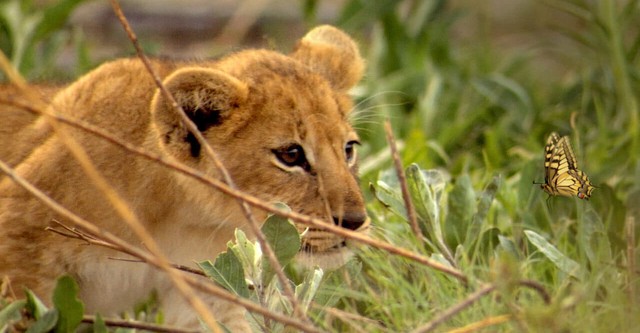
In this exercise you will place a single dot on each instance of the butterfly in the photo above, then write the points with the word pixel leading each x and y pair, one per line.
pixel 561 173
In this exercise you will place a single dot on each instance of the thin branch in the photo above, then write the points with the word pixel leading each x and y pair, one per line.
pixel 450 312
pixel 136 325
pixel 402 179
pixel 411 211
pixel 251 200
pixel 183 268
pixel 351 319
pixel 537 287
pixel 99 236
pixel 488 288
pixel 255 228
pixel 485 322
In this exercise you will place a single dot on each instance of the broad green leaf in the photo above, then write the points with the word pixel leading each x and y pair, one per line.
pixel 245 251
pixel 35 305
pixel 461 207
pixel 228 272
pixel 11 313
pixel 387 191
pixel 426 188
pixel 284 239
pixel 46 322
pixel 390 198
pixel 65 300
pixel 561 261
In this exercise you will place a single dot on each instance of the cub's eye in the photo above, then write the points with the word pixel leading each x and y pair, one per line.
pixel 350 150
pixel 292 156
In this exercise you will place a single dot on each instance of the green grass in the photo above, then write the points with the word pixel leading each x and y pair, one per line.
pixel 479 114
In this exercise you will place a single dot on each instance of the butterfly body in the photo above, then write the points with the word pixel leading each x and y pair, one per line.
pixel 562 176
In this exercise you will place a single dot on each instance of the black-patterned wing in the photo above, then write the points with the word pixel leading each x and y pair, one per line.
pixel 568 150
pixel 562 176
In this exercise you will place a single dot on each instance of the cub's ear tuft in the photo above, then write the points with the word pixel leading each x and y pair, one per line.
pixel 207 96
pixel 333 54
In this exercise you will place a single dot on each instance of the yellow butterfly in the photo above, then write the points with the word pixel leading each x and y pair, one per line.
pixel 561 173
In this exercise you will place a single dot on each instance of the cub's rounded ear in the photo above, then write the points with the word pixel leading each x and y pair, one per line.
pixel 333 54
pixel 207 96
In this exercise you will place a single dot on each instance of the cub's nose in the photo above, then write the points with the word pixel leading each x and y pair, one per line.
pixel 350 220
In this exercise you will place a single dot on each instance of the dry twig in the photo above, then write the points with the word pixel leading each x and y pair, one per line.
pixel 411 211
pixel 450 312
pixel 484 323
pixel 137 325
pixel 402 179
pixel 486 289
pixel 538 288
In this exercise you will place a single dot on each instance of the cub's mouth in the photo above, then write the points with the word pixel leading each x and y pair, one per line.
pixel 325 249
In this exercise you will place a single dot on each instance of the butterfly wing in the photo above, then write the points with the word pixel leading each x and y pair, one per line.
pixel 566 184
pixel 554 153
pixel 571 156
pixel 550 154
pixel 585 187
pixel 562 176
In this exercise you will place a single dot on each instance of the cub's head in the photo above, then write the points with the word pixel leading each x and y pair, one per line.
pixel 280 125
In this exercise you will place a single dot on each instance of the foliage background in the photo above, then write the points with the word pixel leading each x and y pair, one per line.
pixel 472 94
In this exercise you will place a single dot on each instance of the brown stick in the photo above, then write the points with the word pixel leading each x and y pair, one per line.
pixel 402 179
pixel 484 323
pixel 450 312
pixel 137 325
pixel 538 288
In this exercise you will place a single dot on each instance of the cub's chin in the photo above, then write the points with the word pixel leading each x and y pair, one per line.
pixel 325 250
pixel 331 258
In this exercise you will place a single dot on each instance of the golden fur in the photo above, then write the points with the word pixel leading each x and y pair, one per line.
pixel 16 122
pixel 278 122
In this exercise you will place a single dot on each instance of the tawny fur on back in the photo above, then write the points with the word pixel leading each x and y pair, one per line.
pixel 255 108
pixel 20 131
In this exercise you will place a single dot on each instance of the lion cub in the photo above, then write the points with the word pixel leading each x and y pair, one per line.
pixel 279 123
